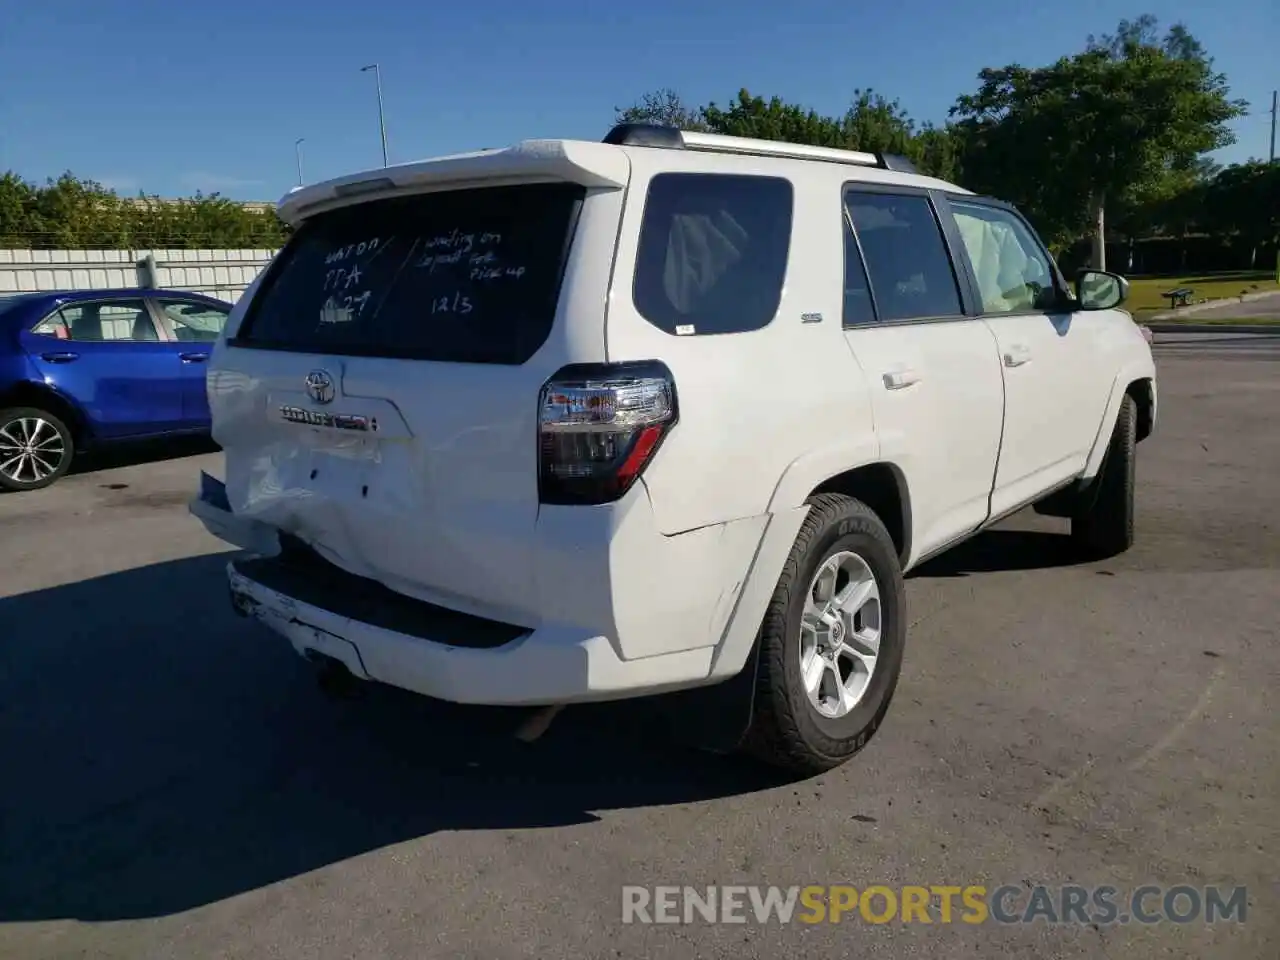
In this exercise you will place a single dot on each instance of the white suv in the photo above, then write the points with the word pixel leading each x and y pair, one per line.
pixel 576 421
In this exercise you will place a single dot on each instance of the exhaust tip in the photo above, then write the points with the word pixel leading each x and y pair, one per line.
pixel 536 724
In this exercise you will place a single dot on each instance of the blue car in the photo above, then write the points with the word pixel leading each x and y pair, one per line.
pixel 87 368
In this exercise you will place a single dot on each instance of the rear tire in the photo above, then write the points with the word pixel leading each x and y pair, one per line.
pixel 36 448
pixel 805 727
pixel 1105 528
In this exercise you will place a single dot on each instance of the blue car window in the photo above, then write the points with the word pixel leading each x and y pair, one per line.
pixel 109 321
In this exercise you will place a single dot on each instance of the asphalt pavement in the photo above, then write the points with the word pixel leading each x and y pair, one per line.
pixel 174 785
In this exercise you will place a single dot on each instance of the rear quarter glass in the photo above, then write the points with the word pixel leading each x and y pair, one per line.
pixel 468 276
pixel 712 252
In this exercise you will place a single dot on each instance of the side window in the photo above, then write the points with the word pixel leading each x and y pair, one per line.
pixel 906 257
pixel 1013 273
pixel 117 320
pixel 713 252
pixel 197 322
pixel 54 325
pixel 859 308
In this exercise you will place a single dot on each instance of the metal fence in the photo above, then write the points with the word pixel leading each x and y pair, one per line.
pixel 219 273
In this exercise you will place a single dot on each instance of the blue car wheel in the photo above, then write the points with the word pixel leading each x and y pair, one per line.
pixel 35 448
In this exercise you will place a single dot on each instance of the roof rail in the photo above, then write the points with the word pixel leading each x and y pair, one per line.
pixel 671 138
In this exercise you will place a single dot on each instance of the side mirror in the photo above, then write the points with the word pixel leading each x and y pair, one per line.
pixel 1099 290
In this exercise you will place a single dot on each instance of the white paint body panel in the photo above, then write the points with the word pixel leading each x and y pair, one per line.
pixel 751 403
pixel 666 587
pixel 1057 373
pixel 938 404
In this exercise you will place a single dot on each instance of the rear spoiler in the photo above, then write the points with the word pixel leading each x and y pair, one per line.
pixel 575 161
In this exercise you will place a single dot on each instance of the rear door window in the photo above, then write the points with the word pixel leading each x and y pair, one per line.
pixel 465 275
pixel 112 321
pixel 713 252
pixel 906 257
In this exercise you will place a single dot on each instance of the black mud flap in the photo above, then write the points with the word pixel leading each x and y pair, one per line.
pixel 214 492
pixel 1067 502
pixel 715 718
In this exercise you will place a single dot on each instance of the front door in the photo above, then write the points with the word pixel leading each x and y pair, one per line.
pixel 193 326
pixel 108 356
pixel 1055 381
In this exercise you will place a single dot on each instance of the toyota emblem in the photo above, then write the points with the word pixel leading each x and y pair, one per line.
pixel 319 386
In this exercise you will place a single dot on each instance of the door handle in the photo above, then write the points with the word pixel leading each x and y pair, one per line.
pixel 62 357
pixel 193 357
pixel 1017 355
pixel 900 378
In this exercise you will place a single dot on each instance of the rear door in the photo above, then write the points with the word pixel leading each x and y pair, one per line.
pixel 934 372
pixel 1056 363
pixel 192 326
pixel 110 358
pixel 379 397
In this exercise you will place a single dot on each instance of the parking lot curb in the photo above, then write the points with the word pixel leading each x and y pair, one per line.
pixel 1215 304
pixel 1212 328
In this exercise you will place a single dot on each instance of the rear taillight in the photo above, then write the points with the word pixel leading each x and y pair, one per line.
pixel 599 425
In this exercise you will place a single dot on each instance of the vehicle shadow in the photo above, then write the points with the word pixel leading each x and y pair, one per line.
pixel 141 452
pixel 160 754
pixel 1002 549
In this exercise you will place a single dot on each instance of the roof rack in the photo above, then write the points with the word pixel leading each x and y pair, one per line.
pixel 672 138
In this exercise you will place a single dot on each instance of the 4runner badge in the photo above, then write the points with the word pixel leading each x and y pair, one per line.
pixel 334 421
pixel 319 386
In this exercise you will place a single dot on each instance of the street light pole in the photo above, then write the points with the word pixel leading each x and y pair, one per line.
pixel 382 123
pixel 1274 95
pixel 297 149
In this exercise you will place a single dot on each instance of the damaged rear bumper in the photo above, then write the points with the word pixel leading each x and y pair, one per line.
pixel 212 508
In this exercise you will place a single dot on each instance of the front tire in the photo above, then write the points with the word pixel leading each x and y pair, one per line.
pixel 36 448
pixel 831 642
pixel 1105 528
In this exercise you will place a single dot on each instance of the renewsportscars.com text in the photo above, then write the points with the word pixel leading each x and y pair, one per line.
pixel 938 903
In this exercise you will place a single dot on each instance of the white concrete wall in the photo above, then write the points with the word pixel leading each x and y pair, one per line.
pixel 219 273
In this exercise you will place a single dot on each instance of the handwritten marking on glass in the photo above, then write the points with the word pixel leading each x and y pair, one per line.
pixel 344 309
pixel 352 249
pixel 454 304
pixel 478 251
pixel 342 278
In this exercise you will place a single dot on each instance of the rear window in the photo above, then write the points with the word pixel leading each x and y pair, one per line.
pixel 713 252
pixel 466 275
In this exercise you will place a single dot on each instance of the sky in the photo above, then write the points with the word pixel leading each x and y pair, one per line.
pixel 176 96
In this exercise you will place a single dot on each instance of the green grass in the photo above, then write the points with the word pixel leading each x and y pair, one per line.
pixel 1144 292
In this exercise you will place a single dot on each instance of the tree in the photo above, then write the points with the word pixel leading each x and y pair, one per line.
pixel 17 208
pixel 878 125
pixel 749 116
pixel 1243 201
pixel 1119 123
pixel 71 213
pixel 662 107
pixel 936 151
pixel 872 123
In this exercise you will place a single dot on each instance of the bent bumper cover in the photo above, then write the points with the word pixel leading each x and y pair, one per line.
pixel 212 508
pixel 558 662
pixel 545 666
